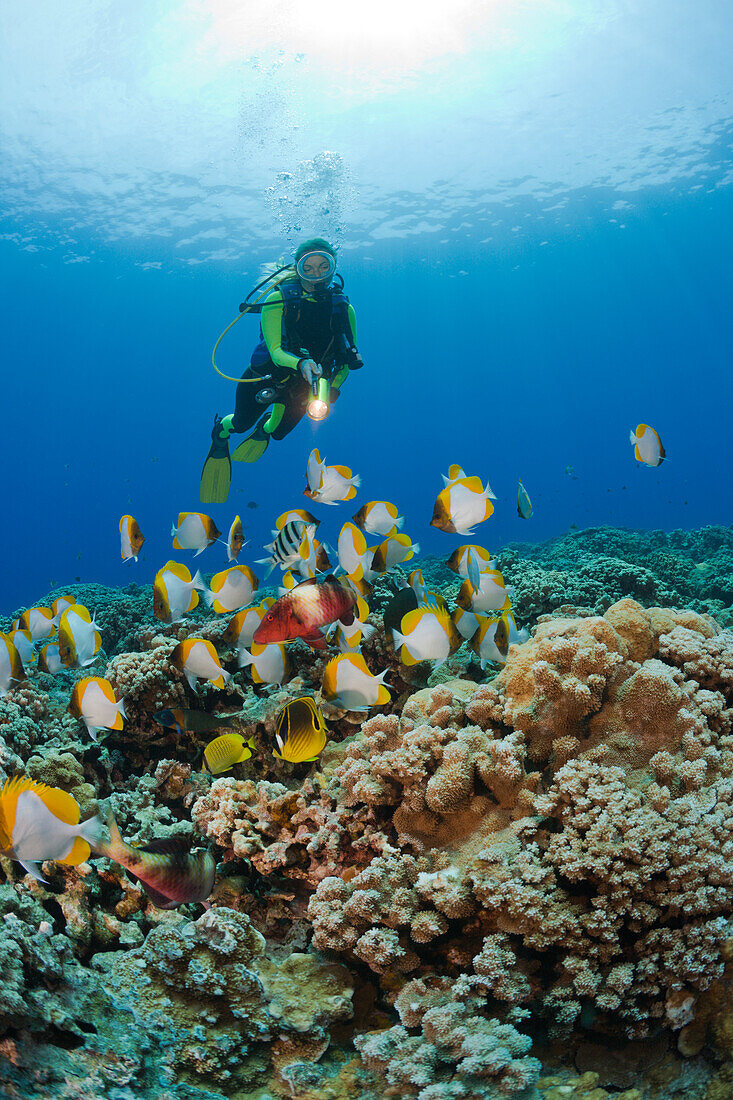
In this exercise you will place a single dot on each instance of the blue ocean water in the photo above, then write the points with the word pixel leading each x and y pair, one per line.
pixel 534 213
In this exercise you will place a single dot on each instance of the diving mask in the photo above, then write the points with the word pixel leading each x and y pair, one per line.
pixel 316 267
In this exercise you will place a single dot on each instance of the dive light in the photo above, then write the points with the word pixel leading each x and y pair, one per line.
pixel 320 402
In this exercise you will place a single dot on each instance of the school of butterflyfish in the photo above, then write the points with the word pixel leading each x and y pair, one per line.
pixel 319 603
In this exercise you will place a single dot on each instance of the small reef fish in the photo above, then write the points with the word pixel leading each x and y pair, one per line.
pixel 329 484
pixel 39 823
pixel 288 581
pixel 489 594
pixel 462 503
pixel 494 635
pixel 466 623
pixel 300 731
pixel 93 700
pixel 235 539
pixel 49 659
pixel 268 664
pixel 224 752
pixel 426 635
pixel 459 559
pixel 404 600
pixel 79 639
pixel 647 445
pixel 23 642
pixel 299 514
pixel 241 629
pixel 195 531
pixel 350 636
pixel 11 666
pixel 310 605
pixel 195 721
pixel 39 620
pixel 379 517
pixel 393 551
pixel 231 589
pixel 59 605
pixel 348 683
pixel 169 871
pixel 198 660
pixel 131 538
pixel 285 549
pixel 353 554
pixel 175 593
pixel 524 504
pixel 313 557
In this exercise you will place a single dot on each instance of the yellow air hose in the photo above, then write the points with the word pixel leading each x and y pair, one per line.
pixel 268 290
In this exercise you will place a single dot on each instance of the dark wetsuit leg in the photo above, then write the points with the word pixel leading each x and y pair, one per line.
pixel 295 399
pixel 247 411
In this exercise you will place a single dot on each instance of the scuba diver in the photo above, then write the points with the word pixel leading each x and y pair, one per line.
pixel 307 348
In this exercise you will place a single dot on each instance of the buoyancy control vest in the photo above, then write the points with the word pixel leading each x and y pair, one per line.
pixel 315 323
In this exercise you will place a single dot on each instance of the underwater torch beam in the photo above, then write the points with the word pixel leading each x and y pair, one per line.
pixel 319 405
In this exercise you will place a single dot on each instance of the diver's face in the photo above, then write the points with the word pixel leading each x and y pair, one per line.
pixel 315 269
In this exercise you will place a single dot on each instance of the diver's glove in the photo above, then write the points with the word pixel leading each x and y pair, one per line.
pixel 310 370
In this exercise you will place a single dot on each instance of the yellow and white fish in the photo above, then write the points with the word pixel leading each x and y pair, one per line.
pixel 379 517
pixel 647 445
pixel 131 538
pixel 225 751
pixel 23 642
pixel 39 620
pixel 39 823
pixel 11 666
pixel 349 636
pixel 175 592
pixel 93 700
pixel 195 531
pixel 487 592
pixel 231 589
pixel 348 683
pixel 198 660
pixel 300 732
pixel 329 484
pixel 79 639
pixel 426 635
pixel 49 660
pixel 354 555
pixel 393 551
pixel 459 559
pixel 241 627
pixel 268 664
pixel 299 514
pixel 462 504
pixel 59 605
pixel 494 635
pixel 313 557
pixel 465 622
pixel 235 539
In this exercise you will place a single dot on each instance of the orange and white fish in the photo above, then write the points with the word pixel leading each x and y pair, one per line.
pixel 11 666
pixel 426 635
pixel 268 663
pixel 198 660
pixel 235 539
pixel 462 503
pixel 195 531
pixel 49 660
pixel 393 551
pixel 379 517
pixel 465 622
pixel 484 592
pixel 39 823
pixel 39 620
pixel 79 639
pixel 348 683
pixel 93 700
pixel 313 557
pixel 175 592
pixel 349 636
pixel 23 642
pixel 355 557
pixel 170 871
pixel 459 559
pixel 329 484
pixel 131 538
pixel 241 627
pixel 300 514
pixel 231 589
pixel 647 446
pixel 59 605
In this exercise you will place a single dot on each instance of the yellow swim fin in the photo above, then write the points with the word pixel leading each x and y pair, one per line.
pixel 216 475
pixel 254 446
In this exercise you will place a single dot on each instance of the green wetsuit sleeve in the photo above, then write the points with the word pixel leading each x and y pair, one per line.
pixel 343 373
pixel 271 320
